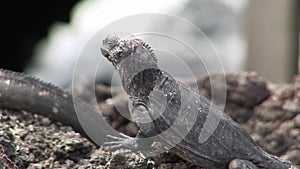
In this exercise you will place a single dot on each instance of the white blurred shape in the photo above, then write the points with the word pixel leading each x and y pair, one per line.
pixel 55 56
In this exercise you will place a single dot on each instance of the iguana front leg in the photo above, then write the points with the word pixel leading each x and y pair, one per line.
pixel 141 115
pixel 115 143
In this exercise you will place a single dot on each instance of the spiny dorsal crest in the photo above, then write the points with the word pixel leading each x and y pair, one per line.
pixel 120 45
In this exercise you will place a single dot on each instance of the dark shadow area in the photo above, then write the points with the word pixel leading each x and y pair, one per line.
pixel 24 23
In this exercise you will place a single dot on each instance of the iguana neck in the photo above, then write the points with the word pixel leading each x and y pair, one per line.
pixel 138 75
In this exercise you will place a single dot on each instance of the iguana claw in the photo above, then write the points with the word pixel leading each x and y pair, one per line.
pixel 123 141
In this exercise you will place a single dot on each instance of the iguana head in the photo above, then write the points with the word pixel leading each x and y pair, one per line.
pixel 118 46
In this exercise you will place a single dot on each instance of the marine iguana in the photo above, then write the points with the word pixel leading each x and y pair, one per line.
pixel 228 147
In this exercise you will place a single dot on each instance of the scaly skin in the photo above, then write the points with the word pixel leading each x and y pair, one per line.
pixel 20 91
pixel 229 146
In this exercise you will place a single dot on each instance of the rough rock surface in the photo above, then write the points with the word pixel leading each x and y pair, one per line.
pixel 269 112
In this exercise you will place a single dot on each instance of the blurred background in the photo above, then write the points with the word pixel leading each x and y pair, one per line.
pixel 45 37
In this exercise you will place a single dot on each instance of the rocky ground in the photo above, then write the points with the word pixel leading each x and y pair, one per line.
pixel 269 112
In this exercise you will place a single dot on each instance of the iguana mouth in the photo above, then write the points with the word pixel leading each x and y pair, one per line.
pixel 109 55
pixel 105 52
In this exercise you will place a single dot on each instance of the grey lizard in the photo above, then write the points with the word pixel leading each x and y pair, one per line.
pixel 229 146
